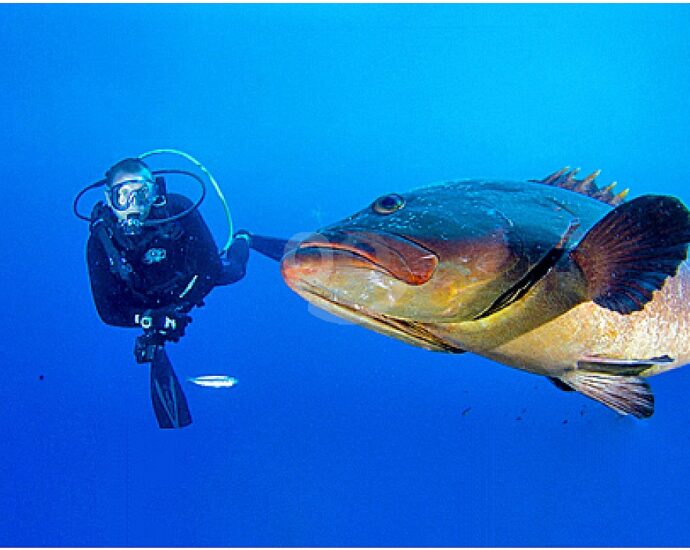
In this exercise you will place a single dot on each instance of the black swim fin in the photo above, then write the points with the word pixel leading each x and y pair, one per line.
pixel 169 401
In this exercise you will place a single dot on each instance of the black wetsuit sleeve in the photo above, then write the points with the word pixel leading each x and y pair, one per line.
pixel 235 263
pixel 114 302
pixel 271 247
pixel 203 259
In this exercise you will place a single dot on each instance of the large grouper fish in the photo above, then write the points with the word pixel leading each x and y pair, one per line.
pixel 558 277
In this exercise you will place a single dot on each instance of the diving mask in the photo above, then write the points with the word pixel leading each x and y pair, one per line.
pixel 132 219
pixel 135 196
pixel 131 201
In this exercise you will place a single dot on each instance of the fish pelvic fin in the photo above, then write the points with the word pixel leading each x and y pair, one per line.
pixel 621 367
pixel 633 250
pixel 565 179
pixel 623 394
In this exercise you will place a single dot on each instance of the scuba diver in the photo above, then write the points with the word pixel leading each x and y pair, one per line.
pixel 152 259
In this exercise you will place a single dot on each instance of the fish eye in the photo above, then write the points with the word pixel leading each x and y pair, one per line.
pixel 388 204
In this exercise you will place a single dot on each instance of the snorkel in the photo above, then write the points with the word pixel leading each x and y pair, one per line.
pixel 133 224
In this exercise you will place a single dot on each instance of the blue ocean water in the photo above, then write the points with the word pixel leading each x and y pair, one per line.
pixel 334 435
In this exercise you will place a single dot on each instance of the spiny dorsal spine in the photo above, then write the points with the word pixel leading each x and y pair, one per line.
pixel 565 179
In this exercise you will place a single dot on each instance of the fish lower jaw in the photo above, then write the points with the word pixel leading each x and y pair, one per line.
pixel 358 314
pixel 320 299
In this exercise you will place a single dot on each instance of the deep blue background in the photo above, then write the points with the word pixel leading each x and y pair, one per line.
pixel 334 435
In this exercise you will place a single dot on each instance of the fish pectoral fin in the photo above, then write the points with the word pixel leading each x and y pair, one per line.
pixel 631 252
pixel 621 367
pixel 623 394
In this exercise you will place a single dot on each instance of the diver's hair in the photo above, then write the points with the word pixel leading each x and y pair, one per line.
pixel 133 165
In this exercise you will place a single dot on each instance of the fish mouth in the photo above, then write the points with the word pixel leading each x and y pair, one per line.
pixel 392 254
pixel 412 332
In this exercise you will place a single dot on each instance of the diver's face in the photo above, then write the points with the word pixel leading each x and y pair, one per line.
pixel 131 195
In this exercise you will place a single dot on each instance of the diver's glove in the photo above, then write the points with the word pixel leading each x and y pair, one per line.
pixel 234 261
pixel 243 234
pixel 167 322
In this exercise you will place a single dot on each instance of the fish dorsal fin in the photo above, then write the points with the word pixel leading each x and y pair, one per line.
pixel 565 179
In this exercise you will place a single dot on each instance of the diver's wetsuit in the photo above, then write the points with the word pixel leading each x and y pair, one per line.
pixel 175 264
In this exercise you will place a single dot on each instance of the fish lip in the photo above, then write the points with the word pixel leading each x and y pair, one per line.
pixel 343 249
pixel 408 261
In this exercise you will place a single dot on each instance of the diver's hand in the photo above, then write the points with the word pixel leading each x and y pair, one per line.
pixel 169 322
pixel 243 234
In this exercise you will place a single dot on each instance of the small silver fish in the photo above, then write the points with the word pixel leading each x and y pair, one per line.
pixel 213 381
